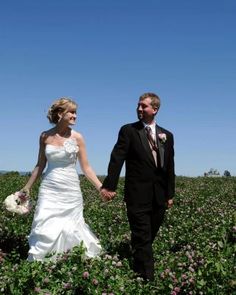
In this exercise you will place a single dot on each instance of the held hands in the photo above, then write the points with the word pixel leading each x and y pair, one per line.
pixel 107 195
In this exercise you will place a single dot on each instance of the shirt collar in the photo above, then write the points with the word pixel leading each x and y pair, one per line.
pixel 152 126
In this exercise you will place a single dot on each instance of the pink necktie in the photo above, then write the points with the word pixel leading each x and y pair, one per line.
pixel 150 139
pixel 152 144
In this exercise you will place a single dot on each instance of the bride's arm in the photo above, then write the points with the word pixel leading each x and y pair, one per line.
pixel 38 170
pixel 84 164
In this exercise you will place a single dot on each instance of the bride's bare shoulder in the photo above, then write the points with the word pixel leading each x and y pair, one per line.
pixel 78 136
pixel 45 134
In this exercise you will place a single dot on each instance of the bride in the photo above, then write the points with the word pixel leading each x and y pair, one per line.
pixel 58 223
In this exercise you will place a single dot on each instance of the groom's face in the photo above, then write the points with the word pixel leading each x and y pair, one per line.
pixel 145 110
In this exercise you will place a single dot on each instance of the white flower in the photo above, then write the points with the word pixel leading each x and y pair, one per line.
pixel 71 146
pixel 18 203
pixel 162 137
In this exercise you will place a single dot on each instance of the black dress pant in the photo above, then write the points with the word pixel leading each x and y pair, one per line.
pixel 144 226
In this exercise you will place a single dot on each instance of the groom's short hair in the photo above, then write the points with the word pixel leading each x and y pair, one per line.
pixel 155 99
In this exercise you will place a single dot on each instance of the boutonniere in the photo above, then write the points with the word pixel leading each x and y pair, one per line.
pixel 162 137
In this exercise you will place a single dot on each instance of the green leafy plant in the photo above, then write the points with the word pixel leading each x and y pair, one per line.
pixel 194 250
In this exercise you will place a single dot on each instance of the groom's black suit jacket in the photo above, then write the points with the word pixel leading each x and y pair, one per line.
pixel 145 183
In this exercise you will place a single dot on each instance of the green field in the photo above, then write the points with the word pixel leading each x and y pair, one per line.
pixel 194 250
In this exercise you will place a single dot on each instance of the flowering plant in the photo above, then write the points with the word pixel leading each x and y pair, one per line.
pixel 18 203
pixel 162 137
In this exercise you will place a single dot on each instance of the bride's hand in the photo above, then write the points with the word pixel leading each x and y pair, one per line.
pixel 26 191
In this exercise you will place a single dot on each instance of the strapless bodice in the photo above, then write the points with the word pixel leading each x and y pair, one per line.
pixel 62 156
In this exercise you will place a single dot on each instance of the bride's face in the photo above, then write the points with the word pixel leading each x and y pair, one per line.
pixel 69 116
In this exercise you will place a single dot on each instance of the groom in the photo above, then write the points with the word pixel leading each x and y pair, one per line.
pixel 148 152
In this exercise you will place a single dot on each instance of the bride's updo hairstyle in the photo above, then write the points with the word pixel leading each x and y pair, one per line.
pixel 61 105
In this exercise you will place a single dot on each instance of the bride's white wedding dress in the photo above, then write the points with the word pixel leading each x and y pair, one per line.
pixel 58 223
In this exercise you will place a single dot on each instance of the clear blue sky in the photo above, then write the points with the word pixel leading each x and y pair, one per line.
pixel 104 54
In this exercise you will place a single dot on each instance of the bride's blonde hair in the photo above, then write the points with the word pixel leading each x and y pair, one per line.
pixel 61 105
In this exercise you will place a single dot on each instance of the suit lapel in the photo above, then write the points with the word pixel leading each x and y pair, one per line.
pixel 160 146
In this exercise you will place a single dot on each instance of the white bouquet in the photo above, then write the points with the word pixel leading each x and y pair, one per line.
pixel 18 203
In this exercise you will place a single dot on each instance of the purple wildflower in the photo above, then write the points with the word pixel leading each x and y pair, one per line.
pixel 85 275
pixel 95 282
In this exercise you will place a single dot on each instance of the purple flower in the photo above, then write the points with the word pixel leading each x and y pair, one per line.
pixel 95 282
pixel 177 289
pixel 46 280
pixel 37 289
pixel 191 281
pixel 191 269
pixel 66 285
pixel 85 275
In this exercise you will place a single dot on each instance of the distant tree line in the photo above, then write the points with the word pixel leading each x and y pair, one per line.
pixel 215 173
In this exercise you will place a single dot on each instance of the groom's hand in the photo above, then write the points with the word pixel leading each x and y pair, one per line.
pixel 107 195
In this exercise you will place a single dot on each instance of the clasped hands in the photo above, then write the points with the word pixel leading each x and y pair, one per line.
pixel 107 195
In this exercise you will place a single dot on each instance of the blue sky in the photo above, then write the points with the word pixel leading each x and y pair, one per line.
pixel 105 54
